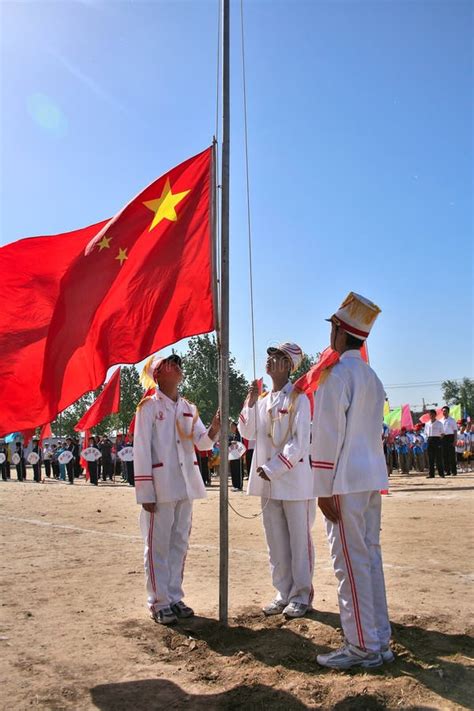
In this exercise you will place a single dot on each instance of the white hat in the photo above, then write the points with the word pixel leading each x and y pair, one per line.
pixel 291 350
pixel 356 315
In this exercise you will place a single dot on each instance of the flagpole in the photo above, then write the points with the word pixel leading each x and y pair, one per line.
pixel 224 325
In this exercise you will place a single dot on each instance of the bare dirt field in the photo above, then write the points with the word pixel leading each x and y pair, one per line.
pixel 74 630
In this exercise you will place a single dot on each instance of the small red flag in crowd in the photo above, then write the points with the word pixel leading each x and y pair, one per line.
pixel 107 403
pixel 45 433
pixel 77 303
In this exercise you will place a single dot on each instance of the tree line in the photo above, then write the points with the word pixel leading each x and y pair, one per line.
pixel 200 385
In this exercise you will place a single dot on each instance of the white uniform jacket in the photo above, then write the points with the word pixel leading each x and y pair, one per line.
pixel 284 455
pixel 347 450
pixel 165 463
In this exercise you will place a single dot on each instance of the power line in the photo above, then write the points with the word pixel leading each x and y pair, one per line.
pixel 422 384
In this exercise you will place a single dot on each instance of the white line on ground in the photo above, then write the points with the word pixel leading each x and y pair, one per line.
pixel 126 536
pixel 200 546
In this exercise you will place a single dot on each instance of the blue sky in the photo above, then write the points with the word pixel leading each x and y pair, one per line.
pixel 360 139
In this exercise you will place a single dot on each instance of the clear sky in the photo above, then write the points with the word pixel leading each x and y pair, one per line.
pixel 361 155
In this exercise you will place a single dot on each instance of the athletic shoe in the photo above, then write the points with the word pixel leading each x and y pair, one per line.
pixel 276 607
pixel 165 616
pixel 295 609
pixel 387 654
pixel 350 656
pixel 181 610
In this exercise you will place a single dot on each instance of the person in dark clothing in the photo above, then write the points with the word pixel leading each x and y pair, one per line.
pixel 448 443
pixel 434 432
pixel 37 467
pixel 93 467
pixel 99 461
pixel 3 465
pixel 70 465
pixel 77 457
pixel 130 471
pixel 106 451
pixel 236 472
pixel 203 461
pixel 21 466
pixel 119 469
pixel 249 455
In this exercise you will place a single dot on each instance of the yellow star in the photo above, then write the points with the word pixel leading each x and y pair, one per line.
pixel 122 255
pixel 104 243
pixel 164 207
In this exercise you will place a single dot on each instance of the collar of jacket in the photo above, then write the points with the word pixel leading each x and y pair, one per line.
pixel 182 404
pixel 284 392
pixel 166 402
pixel 351 354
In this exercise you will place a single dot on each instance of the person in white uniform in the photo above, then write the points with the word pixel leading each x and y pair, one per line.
pixel 279 422
pixel 348 460
pixel 167 480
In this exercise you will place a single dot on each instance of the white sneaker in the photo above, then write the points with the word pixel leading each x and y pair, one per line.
pixel 165 616
pixel 181 610
pixel 387 654
pixel 295 609
pixel 350 656
pixel 276 607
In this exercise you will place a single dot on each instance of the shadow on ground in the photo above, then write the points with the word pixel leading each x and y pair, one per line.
pixel 436 660
pixel 154 694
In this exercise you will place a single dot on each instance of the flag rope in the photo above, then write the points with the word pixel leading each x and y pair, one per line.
pixel 250 247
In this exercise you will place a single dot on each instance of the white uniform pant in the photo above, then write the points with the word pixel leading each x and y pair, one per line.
pixel 290 546
pixel 166 535
pixel 355 548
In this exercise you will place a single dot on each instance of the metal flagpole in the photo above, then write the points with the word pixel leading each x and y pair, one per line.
pixel 224 325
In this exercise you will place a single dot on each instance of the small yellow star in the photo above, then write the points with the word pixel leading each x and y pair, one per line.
pixel 104 243
pixel 122 255
pixel 164 206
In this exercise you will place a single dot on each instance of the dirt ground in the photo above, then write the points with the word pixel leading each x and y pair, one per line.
pixel 75 634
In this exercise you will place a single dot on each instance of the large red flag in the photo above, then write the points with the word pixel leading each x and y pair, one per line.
pixel 73 305
pixel 107 403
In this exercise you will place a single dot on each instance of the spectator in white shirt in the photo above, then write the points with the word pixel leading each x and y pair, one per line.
pixel 435 433
pixel 450 430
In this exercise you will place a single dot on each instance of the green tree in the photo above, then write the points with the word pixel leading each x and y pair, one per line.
pixel 455 392
pixel 200 366
pixel 305 365
pixel 131 393
pixel 63 425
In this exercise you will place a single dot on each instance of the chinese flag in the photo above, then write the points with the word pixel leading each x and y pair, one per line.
pixel 74 304
pixel 107 402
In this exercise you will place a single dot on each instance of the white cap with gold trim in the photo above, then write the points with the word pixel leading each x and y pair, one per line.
pixel 356 315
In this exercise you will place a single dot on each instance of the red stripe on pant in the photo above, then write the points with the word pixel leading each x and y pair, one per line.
pixel 150 552
pixel 345 551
